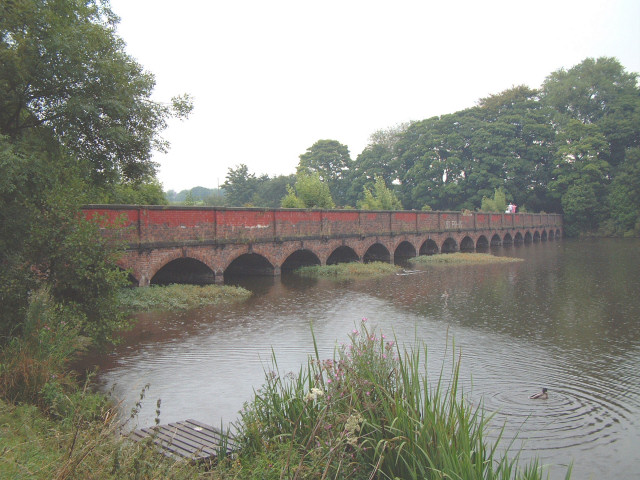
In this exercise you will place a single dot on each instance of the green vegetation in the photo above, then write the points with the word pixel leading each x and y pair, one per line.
pixel 85 443
pixel 348 270
pixel 309 191
pixel 370 412
pixel 50 425
pixel 496 204
pixel 179 297
pixel 382 198
pixel 199 196
pixel 244 189
pixel 77 125
pixel 459 258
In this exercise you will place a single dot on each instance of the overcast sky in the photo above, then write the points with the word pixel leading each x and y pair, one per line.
pixel 269 77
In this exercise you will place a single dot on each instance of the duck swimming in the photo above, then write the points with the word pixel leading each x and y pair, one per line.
pixel 543 395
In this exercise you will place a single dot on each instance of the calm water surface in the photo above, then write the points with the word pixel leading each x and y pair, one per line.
pixel 567 318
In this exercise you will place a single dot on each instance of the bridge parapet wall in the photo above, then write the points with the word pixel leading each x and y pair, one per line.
pixel 152 226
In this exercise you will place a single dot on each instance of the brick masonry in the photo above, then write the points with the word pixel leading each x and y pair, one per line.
pixel 157 235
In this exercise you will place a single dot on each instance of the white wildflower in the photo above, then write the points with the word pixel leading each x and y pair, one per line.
pixel 352 428
pixel 314 394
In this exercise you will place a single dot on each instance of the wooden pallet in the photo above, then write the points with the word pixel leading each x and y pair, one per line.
pixel 190 440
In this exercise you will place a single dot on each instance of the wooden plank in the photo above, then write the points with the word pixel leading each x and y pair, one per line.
pixel 187 439
pixel 211 432
pixel 169 438
pixel 169 442
pixel 190 434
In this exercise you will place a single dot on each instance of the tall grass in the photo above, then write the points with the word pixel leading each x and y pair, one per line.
pixel 51 427
pixel 371 412
pixel 179 297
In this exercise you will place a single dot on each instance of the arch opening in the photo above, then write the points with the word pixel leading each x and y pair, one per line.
pixel 449 246
pixel 496 241
pixel 551 235
pixel 543 237
pixel 536 236
pixel 377 253
pixel 430 247
pixel 404 252
pixel 507 240
pixel 249 264
pixel 482 244
pixel 467 245
pixel 528 238
pixel 518 240
pixel 558 234
pixel 184 271
pixel 342 254
pixel 299 258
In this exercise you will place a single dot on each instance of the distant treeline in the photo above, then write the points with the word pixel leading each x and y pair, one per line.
pixel 571 147
pixel 196 196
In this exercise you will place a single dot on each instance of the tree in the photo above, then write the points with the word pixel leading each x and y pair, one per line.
pixel 271 190
pixel 496 204
pixel 309 192
pixel 624 195
pixel 382 198
pixel 588 91
pixel 240 186
pixel 378 158
pixel 63 68
pixel 331 161
pixel 43 243
pixel 598 117
pixel 76 122
pixel 146 191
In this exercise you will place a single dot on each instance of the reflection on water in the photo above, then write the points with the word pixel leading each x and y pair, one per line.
pixel 567 318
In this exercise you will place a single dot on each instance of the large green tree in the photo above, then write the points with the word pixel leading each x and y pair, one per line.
pixel 62 67
pixel 76 120
pixel 379 158
pixel 597 106
pixel 240 186
pixel 331 161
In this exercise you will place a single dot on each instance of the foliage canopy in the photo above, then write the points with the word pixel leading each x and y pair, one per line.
pixel 77 124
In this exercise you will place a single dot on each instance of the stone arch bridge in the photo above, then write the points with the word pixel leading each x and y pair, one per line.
pixel 203 244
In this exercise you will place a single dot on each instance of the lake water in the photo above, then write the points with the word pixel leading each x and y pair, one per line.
pixel 566 318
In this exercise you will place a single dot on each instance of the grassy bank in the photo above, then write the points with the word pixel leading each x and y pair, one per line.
pixel 348 270
pixel 179 297
pixel 460 258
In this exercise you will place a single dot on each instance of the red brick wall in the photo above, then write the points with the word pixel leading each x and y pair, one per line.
pixel 194 225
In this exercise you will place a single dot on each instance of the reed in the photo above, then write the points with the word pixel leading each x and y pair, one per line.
pixel 371 412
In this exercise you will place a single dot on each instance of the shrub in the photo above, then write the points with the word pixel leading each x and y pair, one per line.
pixel 33 366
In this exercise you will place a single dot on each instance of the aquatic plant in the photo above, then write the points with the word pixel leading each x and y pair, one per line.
pixel 179 296
pixel 460 258
pixel 348 270
pixel 369 412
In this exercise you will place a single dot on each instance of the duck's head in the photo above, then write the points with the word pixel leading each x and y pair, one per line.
pixel 544 390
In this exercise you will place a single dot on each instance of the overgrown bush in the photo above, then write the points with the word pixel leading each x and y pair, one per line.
pixel 33 366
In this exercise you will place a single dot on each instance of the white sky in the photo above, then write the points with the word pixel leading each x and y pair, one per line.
pixel 271 77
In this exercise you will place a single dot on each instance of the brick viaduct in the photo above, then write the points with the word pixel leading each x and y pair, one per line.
pixel 202 244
